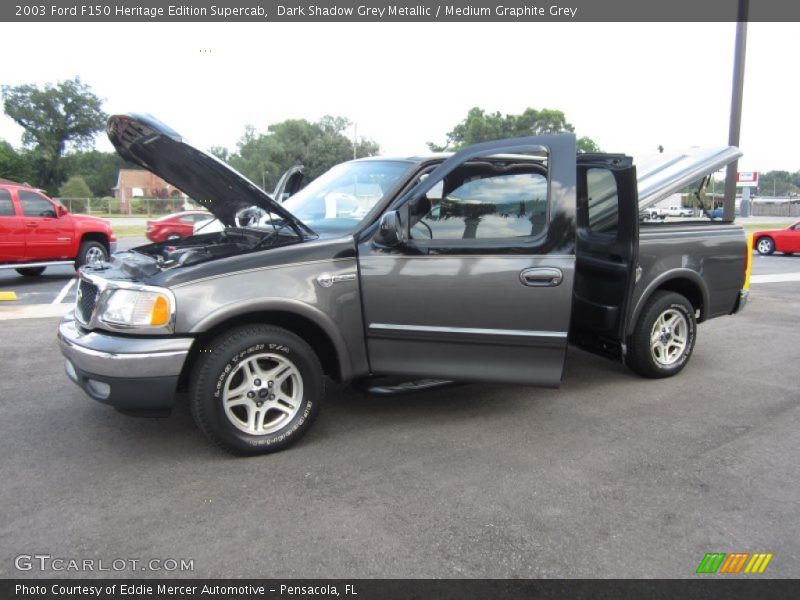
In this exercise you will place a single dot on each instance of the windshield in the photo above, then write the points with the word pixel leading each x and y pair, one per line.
pixel 338 200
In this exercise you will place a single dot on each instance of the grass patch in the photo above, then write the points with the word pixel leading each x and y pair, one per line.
pixel 758 226
pixel 129 230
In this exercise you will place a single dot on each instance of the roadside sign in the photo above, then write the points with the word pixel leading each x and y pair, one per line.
pixel 747 179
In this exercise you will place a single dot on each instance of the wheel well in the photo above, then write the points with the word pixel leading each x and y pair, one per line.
pixel 309 331
pixel 97 237
pixel 689 290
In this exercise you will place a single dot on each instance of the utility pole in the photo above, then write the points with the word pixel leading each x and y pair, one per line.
pixel 729 206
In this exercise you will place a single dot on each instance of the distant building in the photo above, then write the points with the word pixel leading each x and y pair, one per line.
pixel 138 183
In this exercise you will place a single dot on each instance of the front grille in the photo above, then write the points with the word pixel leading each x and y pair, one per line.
pixel 87 298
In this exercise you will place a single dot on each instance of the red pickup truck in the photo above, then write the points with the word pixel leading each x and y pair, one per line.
pixel 37 232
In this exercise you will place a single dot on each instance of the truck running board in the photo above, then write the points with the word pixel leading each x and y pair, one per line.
pixel 385 386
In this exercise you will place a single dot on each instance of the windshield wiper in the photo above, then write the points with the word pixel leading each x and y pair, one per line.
pixel 272 235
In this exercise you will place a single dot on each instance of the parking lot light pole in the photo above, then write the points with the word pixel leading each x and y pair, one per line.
pixel 729 205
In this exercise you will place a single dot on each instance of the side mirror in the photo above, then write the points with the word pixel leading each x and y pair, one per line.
pixel 61 210
pixel 390 230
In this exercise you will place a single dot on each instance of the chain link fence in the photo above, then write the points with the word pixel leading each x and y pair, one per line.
pixel 136 207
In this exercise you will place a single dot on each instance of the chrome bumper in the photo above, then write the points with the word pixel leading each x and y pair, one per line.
pixel 117 356
pixel 126 372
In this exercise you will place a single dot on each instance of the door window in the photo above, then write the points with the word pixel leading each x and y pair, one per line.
pixel 34 205
pixel 6 207
pixel 487 206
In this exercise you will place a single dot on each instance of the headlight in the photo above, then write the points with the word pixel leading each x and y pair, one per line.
pixel 137 308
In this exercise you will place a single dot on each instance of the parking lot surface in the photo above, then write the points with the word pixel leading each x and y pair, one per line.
pixel 609 476
pixel 55 286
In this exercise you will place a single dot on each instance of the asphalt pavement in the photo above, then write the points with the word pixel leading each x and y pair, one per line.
pixel 610 476
pixel 55 285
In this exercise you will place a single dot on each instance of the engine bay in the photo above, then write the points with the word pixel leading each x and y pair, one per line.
pixel 210 246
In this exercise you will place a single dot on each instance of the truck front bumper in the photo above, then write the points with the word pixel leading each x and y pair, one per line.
pixel 133 374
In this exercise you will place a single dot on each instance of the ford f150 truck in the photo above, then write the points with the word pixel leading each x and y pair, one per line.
pixel 478 266
pixel 37 232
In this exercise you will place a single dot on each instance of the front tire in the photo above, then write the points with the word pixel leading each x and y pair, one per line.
pixel 31 271
pixel 664 337
pixel 256 389
pixel 765 245
pixel 89 253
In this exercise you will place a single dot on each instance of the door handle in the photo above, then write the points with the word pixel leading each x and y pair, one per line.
pixel 541 277
pixel 31 224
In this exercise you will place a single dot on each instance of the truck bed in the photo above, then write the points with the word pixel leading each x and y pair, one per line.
pixel 714 251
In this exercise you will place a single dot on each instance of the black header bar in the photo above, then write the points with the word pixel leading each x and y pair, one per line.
pixel 707 587
pixel 387 11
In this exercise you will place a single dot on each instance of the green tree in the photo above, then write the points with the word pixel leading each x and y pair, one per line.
pixel 99 170
pixel 221 152
pixel 74 187
pixel 481 126
pixel 16 166
pixel 318 146
pixel 55 118
pixel 779 183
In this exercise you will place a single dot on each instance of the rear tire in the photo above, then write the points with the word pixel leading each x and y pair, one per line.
pixel 90 252
pixel 31 271
pixel 765 245
pixel 256 389
pixel 664 337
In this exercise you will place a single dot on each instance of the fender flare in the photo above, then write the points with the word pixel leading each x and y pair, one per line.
pixel 284 305
pixel 687 274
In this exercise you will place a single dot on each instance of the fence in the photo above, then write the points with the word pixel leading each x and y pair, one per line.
pixel 775 209
pixel 111 207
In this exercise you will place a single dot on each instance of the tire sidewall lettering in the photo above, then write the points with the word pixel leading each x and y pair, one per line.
pixel 213 373
pixel 231 366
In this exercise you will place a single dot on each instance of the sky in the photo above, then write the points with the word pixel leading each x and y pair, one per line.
pixel 630 87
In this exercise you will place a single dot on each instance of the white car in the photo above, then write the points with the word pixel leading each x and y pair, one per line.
pixel 292 181
pixel 676 211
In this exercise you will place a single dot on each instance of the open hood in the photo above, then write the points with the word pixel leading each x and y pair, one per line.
pixel 661 175
pixel 149 143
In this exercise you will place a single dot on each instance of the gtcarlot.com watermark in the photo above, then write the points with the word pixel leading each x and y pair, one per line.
pixel 58 564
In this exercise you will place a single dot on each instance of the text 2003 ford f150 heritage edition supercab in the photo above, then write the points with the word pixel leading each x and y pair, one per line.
pixel 480 266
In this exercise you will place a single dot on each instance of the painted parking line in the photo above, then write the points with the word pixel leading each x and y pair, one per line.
pixel 775 278
pixel 34 311
pixel 64 291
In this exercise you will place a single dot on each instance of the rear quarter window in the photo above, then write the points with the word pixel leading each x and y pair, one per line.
pixel 603 202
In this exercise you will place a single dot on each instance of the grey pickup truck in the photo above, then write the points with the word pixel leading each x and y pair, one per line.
pixel 482 265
